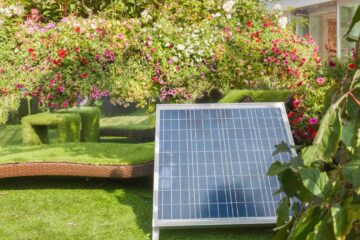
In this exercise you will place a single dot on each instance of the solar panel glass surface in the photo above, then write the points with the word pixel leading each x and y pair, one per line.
pixel 211 162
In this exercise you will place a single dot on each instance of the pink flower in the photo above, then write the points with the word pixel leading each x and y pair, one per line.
pixel 320 80
pixel 296 103
pixel 65 104
pixel 313 121
pixel 120 36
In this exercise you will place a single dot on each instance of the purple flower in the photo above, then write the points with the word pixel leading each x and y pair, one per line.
pixel 65 19
pixel 109 55
pixel 50 25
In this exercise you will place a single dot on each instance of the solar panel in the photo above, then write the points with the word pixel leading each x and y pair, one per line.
pixel 211 162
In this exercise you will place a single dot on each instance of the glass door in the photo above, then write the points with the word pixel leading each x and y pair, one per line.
pixel 323 30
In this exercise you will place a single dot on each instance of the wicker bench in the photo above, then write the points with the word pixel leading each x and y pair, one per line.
pixel 75 169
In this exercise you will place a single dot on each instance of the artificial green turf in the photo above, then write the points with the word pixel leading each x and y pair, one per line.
pixel 109 151
pixel 128 122
pixel 10 135
pixel 68 208
pixel 91 153
pixel 235 96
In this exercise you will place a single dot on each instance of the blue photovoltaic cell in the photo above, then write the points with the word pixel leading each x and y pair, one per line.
pixel 212 163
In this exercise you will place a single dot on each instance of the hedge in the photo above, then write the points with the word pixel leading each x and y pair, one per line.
pixel 235 96
pixel 35 127
pixel 90 123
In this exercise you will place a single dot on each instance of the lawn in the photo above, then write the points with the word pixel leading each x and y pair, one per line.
pixel 79 208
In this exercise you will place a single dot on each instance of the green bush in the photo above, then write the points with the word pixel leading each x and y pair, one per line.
pixel 35 127
pixel 90 123
pixel 256 95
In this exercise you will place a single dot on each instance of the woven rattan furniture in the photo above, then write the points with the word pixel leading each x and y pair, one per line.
pixel 75 169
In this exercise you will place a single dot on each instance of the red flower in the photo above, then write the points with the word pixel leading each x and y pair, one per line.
pixel 61 53
pixel 296 120
pixel 84 75
pixel 249 24
pixel 84 62
pixel 57 62
pixel 266 24
pixel 78 29
pixel 291 114
pixel 77 50
pixel 313 134
pixel 31 50
pixel 352 66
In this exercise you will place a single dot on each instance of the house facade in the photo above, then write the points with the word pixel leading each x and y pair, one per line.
pixel 326 20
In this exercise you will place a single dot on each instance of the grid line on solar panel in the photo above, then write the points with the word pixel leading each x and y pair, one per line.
pixel 198 177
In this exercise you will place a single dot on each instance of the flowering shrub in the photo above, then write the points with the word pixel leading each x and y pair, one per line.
pixel 174 53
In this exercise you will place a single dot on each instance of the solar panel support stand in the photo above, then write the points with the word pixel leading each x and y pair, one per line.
pixel 155 233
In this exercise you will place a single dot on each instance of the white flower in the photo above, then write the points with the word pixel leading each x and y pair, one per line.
pixel 180 47
pixel 228 16
pixel 228 6
pixel 283 21
pixel 175 59
pixel 218 14
pixel 277 7
pixel 145 15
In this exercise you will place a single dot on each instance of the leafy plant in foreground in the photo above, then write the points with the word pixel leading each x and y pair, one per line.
pixel 322 184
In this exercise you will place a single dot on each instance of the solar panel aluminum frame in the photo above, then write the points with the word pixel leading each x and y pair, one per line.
pixel 158 223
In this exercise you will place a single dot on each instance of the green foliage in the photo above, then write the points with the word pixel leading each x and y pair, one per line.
pixel 35 127
pixel 234 96
pixel 90 123
pixel 324 178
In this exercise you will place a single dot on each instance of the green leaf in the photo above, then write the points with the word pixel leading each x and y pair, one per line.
pixel 339 220
pixel 306 223
pixel 296 162
pixel 322 231
pixel 327 139
pixel 314 181
pixel 349 133
pixel 276 168
pixel 283 212
pixel 281 147
pixel 352 213
pixel 283 219
pixel 355 20
pixel 290 183
pixel 351 172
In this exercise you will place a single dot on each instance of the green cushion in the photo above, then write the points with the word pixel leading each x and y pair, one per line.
pixel 88 153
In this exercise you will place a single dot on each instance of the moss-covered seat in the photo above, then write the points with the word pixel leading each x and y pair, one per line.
pixel 90 123
pixel 137 127
pixel 235 96
pixel 35 127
